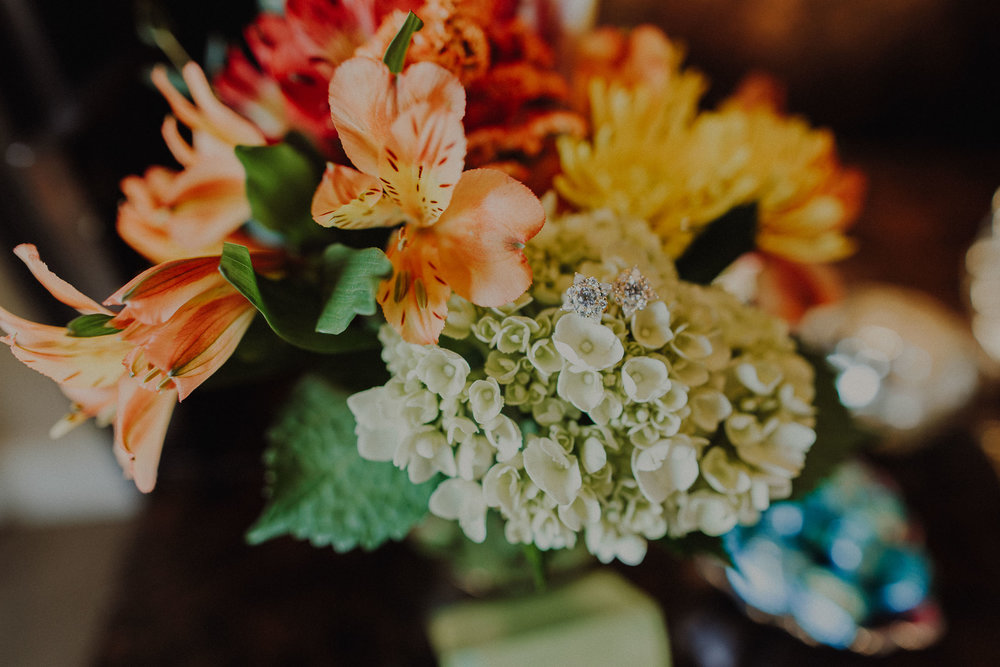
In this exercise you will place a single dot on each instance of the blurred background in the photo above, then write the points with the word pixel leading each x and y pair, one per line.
pixel 909 88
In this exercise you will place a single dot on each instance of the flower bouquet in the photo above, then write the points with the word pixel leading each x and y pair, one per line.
pixel 538 225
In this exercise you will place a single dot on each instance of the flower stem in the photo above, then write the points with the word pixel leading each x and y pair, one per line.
pixel 537 561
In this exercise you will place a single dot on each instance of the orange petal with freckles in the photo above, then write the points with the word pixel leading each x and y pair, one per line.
pixel 56 286
pixel 349 199
pixel 69 361
pixel 140 427
pixel 362 105
pixel 414 298
pixel 158 292
pixel 198 339
pixel 426 82
pixel 481 237
pixel 422 160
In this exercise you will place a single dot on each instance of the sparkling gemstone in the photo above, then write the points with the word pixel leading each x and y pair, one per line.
pixel 587 297
pixel 632 291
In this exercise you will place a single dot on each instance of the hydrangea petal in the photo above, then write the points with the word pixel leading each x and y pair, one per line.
pixel 552 469
pixel 462 500
pixel 587 344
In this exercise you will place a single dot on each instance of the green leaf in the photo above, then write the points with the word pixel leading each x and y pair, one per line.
pixel 321 489
pixel 281 180
pixel 718 245
pixel 838 436
pixel 290 309
pixel 88 326
pixel 395 55
pixel 354 276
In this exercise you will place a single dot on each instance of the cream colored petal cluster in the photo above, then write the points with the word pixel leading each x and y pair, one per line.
pixel 688 416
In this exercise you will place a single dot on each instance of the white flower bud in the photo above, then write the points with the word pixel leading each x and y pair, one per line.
pixel 644 379
pixel 583 388
pixel 585 510
pixel 783 452
pixel 515 334
pixel 552 469
pixel 485 399
pixel 761 377
pixel 651 327
pixel 549 411
pixel 461 317
pixel 443 371
pixel 501 367
pixel 502 488
pixel 462 500
pixel 610 407
pixel 708 408
pixel 691 346
pixel 708 512
pixel 593 455
pixel 743 430
pixel 668 466
pixel 424 453
pixel 543 355
pixel 606 544
pixel 378 423
pixel 586 344
pixel 502 432
pixel 420 407
pixel 690 373
pixel 722 474
pixel 474 457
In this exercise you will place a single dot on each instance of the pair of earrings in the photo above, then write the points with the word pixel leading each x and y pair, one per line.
pixel 588 296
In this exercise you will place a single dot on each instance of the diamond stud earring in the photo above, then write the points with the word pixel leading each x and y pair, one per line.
pixel 587 297
pixel 632 291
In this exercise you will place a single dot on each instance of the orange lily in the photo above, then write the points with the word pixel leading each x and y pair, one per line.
pixel 180 322
pixel 171 214
pixel 463 232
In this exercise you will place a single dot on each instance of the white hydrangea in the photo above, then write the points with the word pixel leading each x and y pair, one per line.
pixel 690 415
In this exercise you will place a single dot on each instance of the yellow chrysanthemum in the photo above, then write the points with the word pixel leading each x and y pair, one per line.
pixel 653 155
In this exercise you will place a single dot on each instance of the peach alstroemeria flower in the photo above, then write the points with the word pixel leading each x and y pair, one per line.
pixel 464 231
pixel 179 323
pixel 171 214
pixel 517 100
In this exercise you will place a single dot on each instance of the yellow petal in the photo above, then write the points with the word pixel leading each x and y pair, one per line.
pixel 349 199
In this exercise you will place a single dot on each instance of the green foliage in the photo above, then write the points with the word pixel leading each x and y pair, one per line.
pixel 837 435
pixel 718 245
pixel 353 276
pixel 321 489
pixel 395 55
pixel 291 310
pixel 88 326
pixel 280 182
